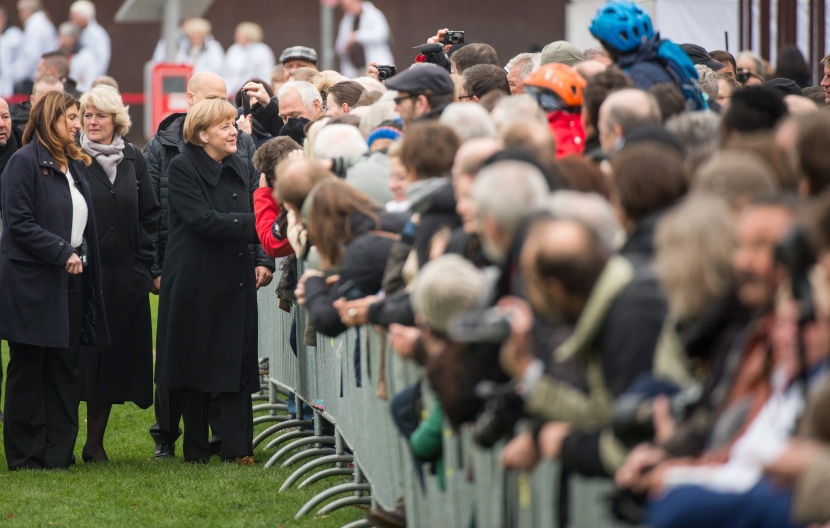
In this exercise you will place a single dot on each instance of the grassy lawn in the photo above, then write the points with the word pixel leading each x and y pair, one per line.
pixel 135 491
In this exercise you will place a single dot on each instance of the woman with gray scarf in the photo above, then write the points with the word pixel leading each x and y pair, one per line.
pixel 128 214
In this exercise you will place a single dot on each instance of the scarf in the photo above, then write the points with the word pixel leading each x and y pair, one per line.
pixel 108 156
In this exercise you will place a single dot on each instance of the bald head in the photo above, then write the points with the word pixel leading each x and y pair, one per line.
pixel 622 111
pixel 5 123
pixel 205 85
pixel 45 84
pixel 562 260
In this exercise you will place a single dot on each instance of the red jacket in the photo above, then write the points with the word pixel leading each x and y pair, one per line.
pixel 266 211
pixel 568 132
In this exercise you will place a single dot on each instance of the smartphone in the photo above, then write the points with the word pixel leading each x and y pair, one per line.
pixel 246 102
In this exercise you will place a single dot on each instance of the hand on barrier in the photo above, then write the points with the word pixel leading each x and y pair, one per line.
pixel 551 438
pixel 74 265
pixel 515 354
pixel 520 453
pixel 299 292
pixel 403 338
pixel 264 276
pixel 640 461
pixel 354 313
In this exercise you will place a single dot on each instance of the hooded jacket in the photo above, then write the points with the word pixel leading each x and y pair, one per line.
pixel 644 67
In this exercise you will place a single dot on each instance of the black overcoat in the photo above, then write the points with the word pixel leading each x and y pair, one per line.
pixel 34 248
pixel 127 215
pixel 207 330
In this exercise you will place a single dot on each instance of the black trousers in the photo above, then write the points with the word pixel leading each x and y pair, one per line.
pixel 236 428
pixel 42 397
pixel 168 410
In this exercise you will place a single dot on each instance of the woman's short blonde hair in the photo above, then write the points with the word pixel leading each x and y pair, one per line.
pixel 204 115
pixel 108 100
pixel 252 30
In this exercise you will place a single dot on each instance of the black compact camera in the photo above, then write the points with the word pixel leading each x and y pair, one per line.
pixel 489 326
pixel 453 37
pixel 385 71
pixel 502 409
pixel 633 414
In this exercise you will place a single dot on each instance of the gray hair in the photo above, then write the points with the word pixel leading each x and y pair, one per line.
pixel 107 99
pixel 307 92
pixel 85 8
pixel 708 81
pixel 735 175
pixel 591 210
pixel 509 191
pixel 371 84
pixel 445 287
pixel 526 62
pixel 694 245
pixel 339 141
pixel 516 108
pixel 697 131
pixel 468 121
pixel 376 114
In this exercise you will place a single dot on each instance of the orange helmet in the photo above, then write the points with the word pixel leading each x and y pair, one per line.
pixel 560 79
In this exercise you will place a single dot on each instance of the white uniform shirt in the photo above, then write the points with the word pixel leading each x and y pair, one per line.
pixel 39 36
pixel 243 63
pixel 93 57
pixel 10 42
pixel 373 33
pixel 210 58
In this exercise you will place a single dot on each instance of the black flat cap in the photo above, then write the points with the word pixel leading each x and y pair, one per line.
pixel 422 78
pixel 783 86
pixel 701 56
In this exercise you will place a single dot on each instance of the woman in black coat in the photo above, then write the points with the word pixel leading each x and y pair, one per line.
pixel 207 330
pixel 127 214
pixel 50 282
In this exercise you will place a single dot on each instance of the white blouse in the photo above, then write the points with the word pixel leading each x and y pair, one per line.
pixel 80 212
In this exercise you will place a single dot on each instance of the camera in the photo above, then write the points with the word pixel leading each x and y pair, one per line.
pixel 633 414
pixel 246 102
pixel 435 54
pixel 385 71
pixel 453 37
pixel 489 326
pixel 502 409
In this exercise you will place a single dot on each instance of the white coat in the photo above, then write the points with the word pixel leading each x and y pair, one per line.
pixel 210 58
pixel 40 37
pixel 243 63
pixel 373 33
pixel 93 57
pixel 10 41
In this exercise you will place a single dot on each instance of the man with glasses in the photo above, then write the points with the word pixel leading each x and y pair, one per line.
pixel 423 90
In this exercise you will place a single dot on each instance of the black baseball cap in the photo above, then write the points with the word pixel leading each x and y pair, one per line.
pixel 701 56
pixel 422 78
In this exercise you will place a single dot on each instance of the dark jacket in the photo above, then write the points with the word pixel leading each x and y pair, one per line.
pixel 207 331
pixel 20 116
pixel 34 248
pixel 127 215
pixel 639 247
pixel 644 67
pixel 160 151
pixel 438 213
pixel 363 263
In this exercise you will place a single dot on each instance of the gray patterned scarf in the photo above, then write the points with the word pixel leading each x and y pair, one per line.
pixel 108 156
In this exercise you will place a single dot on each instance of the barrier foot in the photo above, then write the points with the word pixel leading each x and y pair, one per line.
pixel 288 436
pixel 279 427
pixel 270 407
pixel 326 473
pixel 306 454
pixel 269 418
pixel 345 501
pixel 362 523
pixel 302 442
pixel 305 468
pixel 332 492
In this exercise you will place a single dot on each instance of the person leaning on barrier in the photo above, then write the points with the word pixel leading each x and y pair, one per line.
pixel 207 333
pixel 127 213
pixel 272 231
pixel 353 236
pixel 50 276
pixel 571 279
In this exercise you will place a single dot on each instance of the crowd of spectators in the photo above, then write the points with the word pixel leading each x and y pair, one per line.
pixel 629 242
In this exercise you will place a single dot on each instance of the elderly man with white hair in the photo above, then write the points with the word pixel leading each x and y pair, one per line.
pixel 520 67
pixel 299 99
pixel 93 57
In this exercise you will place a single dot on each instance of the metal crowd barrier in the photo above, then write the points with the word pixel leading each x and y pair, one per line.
pixel 339 378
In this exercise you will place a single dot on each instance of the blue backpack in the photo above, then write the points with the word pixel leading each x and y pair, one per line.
pixel 681 67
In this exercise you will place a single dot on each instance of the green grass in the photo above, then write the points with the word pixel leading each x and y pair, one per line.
pixel 135 491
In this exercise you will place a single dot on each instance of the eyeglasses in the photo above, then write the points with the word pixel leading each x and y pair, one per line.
pixel 399 100
pixel 465 97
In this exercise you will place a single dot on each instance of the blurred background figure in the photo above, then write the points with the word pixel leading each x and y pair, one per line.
pixel 93 57
pixel 68 38
pixel 11 39
pixel 363 37
pixel 200 48
pixel 248 58
pixel 40 37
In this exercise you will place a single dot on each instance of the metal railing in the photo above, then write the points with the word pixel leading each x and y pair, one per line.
pixel 339 378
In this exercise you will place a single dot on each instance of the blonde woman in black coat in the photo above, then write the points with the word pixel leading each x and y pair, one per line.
pixel 207 333
pixel 127 214
pixel 50 283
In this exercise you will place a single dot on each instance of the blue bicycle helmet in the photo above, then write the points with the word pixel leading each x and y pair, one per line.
pixel 622 26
